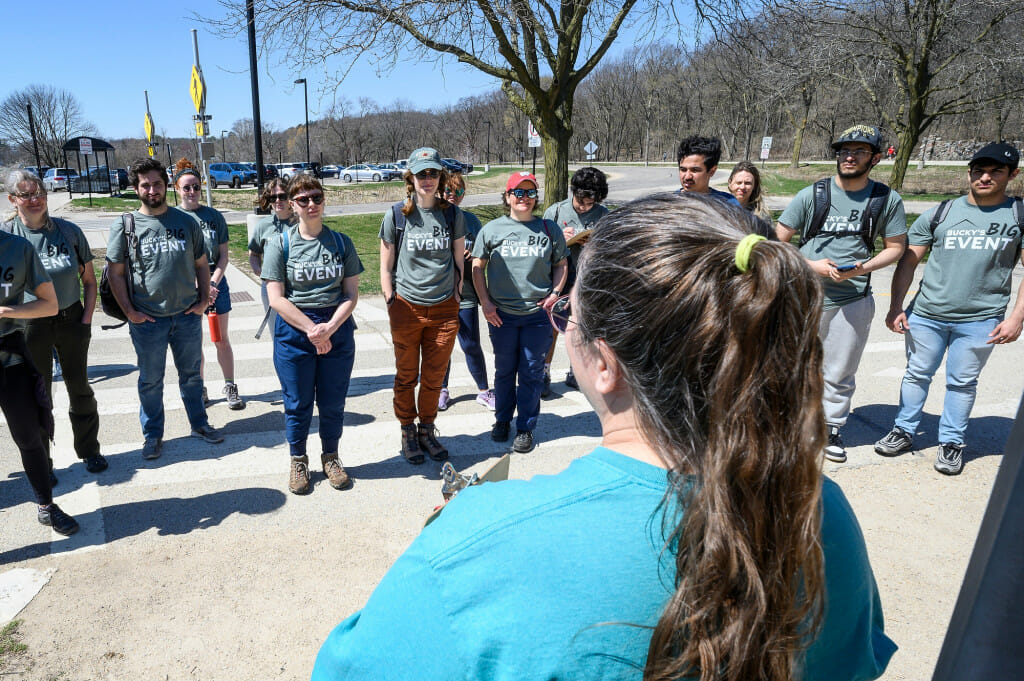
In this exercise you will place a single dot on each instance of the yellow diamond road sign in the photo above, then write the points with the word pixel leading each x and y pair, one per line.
pixel 198 90
pixel 149 127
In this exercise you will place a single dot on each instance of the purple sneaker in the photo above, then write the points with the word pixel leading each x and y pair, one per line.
pixel 444 400
pixel 486 398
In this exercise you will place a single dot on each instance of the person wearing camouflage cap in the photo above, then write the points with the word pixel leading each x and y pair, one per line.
pixel 839 220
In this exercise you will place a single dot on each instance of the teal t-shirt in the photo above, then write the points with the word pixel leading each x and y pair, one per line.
pixel 562 577
pixel 164 263
pixel 845 213
pixel 564 215
pixel 969 274
pixel 424 271
pixel 215 231
pixel 21 271
pixel 267 228
pixel 59 255
pixel 315 269
pixel 473 227
pixel 521 258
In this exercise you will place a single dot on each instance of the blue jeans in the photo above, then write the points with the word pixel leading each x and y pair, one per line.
pixel 520 346
pixel 184 334
pixel 964 344
pixel 469 341
pixel 307 377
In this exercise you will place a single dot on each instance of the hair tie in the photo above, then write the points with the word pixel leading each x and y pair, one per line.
pixel 743 250
pixel 185 171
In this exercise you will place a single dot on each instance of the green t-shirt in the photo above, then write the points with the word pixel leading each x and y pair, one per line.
pixel 215 231
pixel 59 255
pixel 521 258
pixel 473 227
pixel 21 271
pixel 315 269
pixel 564 215
pixel 266 228
pixel 425 271
pixel 969 273
pixel 165 261
pixel 844 214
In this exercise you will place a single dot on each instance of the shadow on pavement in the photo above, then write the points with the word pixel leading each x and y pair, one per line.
pixel 986 435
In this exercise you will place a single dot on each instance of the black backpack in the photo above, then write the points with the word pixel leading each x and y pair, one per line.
pixel 943 210
pixel 869 222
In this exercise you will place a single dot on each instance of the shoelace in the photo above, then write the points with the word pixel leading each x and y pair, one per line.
pixel 412 441
pixel 431 436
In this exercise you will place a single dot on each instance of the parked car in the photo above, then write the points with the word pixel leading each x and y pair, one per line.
pixel 363 172
pixel 57 178
pixel 248 171
pixel 393 167
pixel 289 170
pixel 38 172
pixel 96 180
pixel 457 166
pixel 402 164
pixel 269 171
pixel 119 176
pixel 225 173
pixel 330 171
pixel 387 174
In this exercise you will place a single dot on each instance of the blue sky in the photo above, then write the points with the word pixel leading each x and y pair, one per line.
pixel 111 51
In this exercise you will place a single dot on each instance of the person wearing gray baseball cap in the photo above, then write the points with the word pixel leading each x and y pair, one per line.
pixel 960 309
pixel 839 220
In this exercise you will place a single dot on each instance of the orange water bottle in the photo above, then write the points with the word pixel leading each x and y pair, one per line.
pixel 211 313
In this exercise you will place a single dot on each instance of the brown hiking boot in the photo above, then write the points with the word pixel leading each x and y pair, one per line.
pixel 428 441
pixel 411 445
pixel 298 479
pixel 335 472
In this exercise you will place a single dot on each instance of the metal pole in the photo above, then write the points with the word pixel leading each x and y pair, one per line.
pixel 35 144
pixel 257 126
pixel 487 163
pixel 223 148
pixel 305 97
pixel 202 118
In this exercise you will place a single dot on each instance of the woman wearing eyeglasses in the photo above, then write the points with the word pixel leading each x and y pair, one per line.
pixel 519 270
pixel 469 313
pixel 422 242
pixel 699 540
pixel 189 185
pixel 67 258
pixel 312 276
pixel 274 199
pixel 27 292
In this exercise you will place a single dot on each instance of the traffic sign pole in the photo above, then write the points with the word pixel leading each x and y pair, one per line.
pixel 198 90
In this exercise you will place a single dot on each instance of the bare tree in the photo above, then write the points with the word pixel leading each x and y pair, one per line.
pixel 57 115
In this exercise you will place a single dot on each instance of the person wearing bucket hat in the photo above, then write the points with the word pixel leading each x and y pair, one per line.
pixel 960 309
pixel 422 242
pixel 519 272
pixel 839 219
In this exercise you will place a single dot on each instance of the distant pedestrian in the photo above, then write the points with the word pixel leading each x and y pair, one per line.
pixel 67 258
pixel 163 298
pixel 519 271
pixel 469 307
pixel 23 398
pixel 960 309
pixel 422 243
pixel 274 199
pixel 312 276
pixel 189 184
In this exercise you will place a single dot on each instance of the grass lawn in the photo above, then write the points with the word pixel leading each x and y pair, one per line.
pixel 362 229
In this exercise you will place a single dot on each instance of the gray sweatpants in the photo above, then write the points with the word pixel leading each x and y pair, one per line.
pixel 844 334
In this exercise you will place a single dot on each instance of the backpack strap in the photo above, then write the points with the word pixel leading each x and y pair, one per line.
pixel 399 217
pixel 1018 213
pixel 822 202
pixel 939 215
pixel 69 238
pixel 869 221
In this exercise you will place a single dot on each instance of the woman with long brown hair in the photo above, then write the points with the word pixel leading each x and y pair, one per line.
pixel 699 541
pixel 275 200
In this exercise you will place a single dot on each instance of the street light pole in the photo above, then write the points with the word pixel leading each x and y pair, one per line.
pixel 223 151
pixel 305 97
pixel 487 163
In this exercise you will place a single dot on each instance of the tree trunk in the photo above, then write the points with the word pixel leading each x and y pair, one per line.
pixel 908 139
pixel 556 168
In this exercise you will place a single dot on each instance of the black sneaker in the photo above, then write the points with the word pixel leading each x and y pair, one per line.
pixel 950 459
pixel 523 442
pixel 60 521
pixel 499 433
pixel 895 442
pixel 834 450
pixel 95 463
pixel 546 390
pixel 570 381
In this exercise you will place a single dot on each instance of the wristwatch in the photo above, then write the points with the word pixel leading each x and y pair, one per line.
pixel 555 292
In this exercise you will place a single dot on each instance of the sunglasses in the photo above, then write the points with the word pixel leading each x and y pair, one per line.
pixel 520 193
pixel 457 192
pixel 304 200
pixel 278 197
pixel 560 314
pixel 190 188
pixel 429 172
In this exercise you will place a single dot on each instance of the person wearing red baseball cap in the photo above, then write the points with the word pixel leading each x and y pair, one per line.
pixel 519 272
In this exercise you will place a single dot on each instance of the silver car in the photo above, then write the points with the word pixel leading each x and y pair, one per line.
pixel 57 178
pixel 363 172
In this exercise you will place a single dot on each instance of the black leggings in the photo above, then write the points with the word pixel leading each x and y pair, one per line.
pixel 18 402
